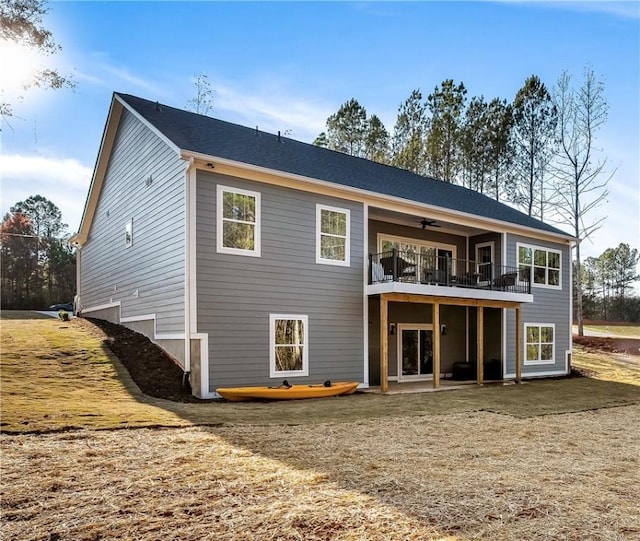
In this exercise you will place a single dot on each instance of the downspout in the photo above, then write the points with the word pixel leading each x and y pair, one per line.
pixel 77 301
pixel 187 274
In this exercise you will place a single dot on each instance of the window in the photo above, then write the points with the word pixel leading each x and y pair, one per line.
pixel 541 266
pixel 540 343
pixel 332 235
pixel 421 254
pixel 238 221
pixel 289 353
pixel 128 233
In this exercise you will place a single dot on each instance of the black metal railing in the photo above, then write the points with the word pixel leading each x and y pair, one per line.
pixel 416 268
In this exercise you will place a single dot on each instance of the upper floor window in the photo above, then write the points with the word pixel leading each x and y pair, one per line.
pixel 541 266
pixel 540 343
pixel 332 235
pixel 238 221
pixel 289 351
pixel 128 233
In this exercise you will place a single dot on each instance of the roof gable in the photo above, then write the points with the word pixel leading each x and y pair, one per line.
pixel 216 138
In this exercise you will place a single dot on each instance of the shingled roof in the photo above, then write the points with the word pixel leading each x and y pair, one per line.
pixel 196 133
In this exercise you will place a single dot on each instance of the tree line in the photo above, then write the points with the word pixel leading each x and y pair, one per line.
pixel 38 264
pixel 536 151
pixel 608 285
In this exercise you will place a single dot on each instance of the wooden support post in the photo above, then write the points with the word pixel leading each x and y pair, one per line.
pixel 519 346
pixel 384 344
pixel 480 345
pixel 436 345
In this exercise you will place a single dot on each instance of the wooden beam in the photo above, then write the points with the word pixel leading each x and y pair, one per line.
pixel 451 301
pixel 384 344
pixel 519 346
pixel 436 345
pixel 480 346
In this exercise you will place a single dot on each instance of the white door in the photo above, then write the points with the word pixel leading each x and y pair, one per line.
pixel 415 352
pixel 484 262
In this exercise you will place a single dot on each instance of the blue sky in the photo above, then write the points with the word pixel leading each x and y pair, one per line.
pixel 289 65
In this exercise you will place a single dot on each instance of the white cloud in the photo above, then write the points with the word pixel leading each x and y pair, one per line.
pixel 272 108
pixel 64 181
pixel 102 71
pixel 624 9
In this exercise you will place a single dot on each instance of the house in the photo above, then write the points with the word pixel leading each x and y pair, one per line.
pixel 251 258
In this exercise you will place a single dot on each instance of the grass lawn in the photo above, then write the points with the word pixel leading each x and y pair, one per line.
pixel 549 459
pixel 627 331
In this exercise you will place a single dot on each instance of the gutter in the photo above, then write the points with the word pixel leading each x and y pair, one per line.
pixel 187 271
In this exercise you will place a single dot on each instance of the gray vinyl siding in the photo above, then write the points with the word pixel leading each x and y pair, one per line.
pixel 155 263
pixel 236 293
pixel 549 306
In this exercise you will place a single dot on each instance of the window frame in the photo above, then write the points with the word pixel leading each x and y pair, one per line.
pixel 539 360
pixel 220 219
pixel 128 234
pixel 532 265
pixel 319 234
pixel 273 373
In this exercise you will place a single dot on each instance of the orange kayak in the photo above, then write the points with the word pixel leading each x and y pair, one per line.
pixel 288 392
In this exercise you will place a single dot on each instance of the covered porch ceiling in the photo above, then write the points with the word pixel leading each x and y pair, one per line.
pixel 442 223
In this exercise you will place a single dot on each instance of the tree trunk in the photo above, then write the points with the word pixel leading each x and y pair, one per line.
pixel 579 291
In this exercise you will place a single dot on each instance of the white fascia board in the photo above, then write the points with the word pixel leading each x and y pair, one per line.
pixel 387 202
pixel 447 291
pixel 151 127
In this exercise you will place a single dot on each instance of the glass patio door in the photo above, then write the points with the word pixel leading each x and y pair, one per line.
pixel 415 352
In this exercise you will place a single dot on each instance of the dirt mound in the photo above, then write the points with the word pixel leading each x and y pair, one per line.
pixel 630 346
pixel 150 367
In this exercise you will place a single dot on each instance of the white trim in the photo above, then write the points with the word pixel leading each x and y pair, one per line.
pixel 128 233
pixel 534 375
pixel 189 217
pixel 220 248
pixel 365 298
pixel 148 124
pixel 204 365
pixel 570 309
pixel 533 248
pixel 347 248
pixel 105 306
pixel 525 343
pixel 193 252
pixel 418 242
pixel 273 373
pixel 503 259
pixel 410 327
pixel 156 334
pixel 490 244
pixel 446 291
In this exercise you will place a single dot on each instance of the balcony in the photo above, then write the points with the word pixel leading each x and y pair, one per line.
pixel 444 272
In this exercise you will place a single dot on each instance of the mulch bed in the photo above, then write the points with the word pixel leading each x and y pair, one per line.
pixel 630 346
pixel 155 372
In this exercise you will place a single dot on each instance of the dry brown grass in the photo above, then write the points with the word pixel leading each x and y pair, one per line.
pixel 414 467
pixel 457 477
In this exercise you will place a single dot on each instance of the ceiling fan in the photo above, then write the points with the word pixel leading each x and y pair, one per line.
pixel 428 223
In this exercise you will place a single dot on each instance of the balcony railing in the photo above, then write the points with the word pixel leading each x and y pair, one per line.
pixel 415 268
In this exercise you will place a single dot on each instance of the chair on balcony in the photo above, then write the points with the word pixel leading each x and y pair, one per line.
pixel 435 276
pixel 405 268
pixel 505 281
